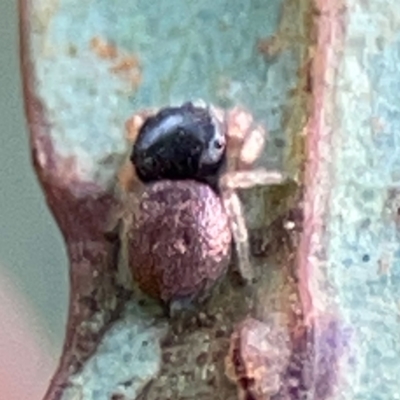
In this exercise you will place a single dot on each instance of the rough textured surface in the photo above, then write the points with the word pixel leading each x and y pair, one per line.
pixel 85 93
pixel 113 372
pixel 180 241
pixel 349 261
pixel 258 356
pixel 363 248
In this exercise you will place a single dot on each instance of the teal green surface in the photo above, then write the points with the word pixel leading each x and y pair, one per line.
pixel 363 227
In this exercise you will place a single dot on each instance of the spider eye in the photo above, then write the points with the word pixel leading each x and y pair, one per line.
pixel 218 144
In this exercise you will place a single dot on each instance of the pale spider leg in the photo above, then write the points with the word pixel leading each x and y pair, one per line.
pixel 129 187
pixel 133 124
pixel 238 125
pixel 248 179
pixel 252 147
pixel 129 192
pixel 127 176
pixel 245 144
pixel 239 231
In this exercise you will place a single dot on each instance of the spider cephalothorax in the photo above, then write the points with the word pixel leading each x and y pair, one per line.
pixel 191 161
pixel 180 143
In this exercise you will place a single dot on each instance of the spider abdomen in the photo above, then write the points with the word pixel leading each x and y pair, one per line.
pixel 179 245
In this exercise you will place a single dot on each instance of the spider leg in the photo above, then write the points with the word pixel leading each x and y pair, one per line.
pixel 239 231
pixel 245 144
pixel 127 177
pixel 135 122
pixel 250 178
pixel 252 147
pixel 239 124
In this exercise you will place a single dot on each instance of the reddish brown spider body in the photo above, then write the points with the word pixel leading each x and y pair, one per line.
pixel 191 160
pixel 180 242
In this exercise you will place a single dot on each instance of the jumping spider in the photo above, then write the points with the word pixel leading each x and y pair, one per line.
pixel 187 163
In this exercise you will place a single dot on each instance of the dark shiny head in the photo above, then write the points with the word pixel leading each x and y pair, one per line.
pixel 180 143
